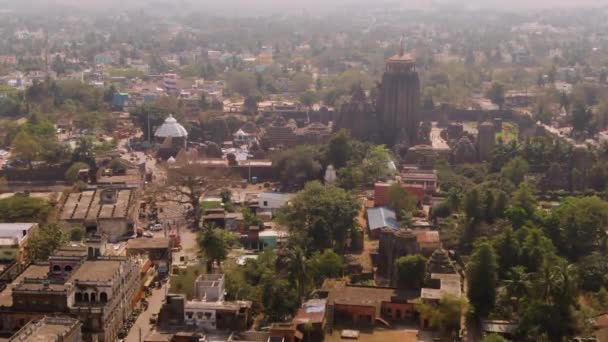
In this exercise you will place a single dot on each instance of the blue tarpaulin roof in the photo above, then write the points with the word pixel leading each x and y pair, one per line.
pixel 381 217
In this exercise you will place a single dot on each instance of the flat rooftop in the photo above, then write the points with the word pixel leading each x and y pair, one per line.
pixel 47 329
pixel 87 206
pixel 96 270
pixel 34 271
pixel 149 243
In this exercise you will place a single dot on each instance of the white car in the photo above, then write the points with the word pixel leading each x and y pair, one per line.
pixel 156 227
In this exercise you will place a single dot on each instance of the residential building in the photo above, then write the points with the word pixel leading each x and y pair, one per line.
pixel 99 292
pixel 273 201
pixel 14 238
pixel 363 305
pixel 157 250
pixel 427 179
pixel 50 329
pixel 110 211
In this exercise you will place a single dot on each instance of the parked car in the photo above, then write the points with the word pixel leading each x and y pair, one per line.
pixel 156 227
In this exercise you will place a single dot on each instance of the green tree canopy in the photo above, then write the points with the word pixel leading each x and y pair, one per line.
pixel 321 217
pixel 324 265
pixel 411 270
pixel 45 241
pixel 24 209
pixel 497 94
pixel 297 166
pixel 582 223
pixel 515 170
pixel 401 200
pixel 482 278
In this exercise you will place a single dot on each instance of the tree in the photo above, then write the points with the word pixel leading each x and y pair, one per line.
pixel 297 166
pixel 321 217
pixel 400 200
pixel 581 117
pixel 507 250
pixel 535 247
pixel 189 183
pixel 502 202
pixel 84 152
pixel 593 272
pixel 472 205
pixel 340 149
pixel 446 315
pixel 518 283
pixel 301 82
pixel 20 208
pixel 309 98
pixel 148 117
pixel 324 265
pixel 524 198
pixel 71 175
pixel 251 104
pixel 482 278
pixel 515 170
pixel 242 82
pixel 582 223
pixel 375 166
pixel 411 270
pixel 45 241
pixel 496 94
pixel 213 244
pixel 489 206
pixel 77 234
pixel 553 298
pixel 279 297
pixel 297 270
pixel 26 148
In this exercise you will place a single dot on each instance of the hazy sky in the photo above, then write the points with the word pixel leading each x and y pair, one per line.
pixel 244 7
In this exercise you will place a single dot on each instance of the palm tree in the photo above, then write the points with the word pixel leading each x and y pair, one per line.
pixel 297 271
pixel 518 284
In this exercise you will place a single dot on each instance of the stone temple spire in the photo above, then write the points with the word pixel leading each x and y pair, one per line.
pixel 402 46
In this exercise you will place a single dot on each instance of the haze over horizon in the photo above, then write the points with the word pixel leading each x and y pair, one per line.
pixel 260 7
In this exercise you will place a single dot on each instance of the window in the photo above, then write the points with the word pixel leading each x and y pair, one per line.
pixel 208 315
pixel 265 203
pixel 103 297
pixel 189 315
pixel 85 297
pixel 93 297
pixel 56 268
pixel 68 268
pixel 78 297
pixel 199 315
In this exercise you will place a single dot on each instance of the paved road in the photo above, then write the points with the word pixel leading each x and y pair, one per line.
pixel 155 302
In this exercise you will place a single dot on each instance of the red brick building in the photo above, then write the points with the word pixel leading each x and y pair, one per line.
pixel 363 305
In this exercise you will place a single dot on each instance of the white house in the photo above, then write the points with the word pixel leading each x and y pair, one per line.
pixel 271 201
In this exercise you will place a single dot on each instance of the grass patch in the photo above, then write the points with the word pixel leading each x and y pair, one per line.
pixel 184 281
pixel 206 205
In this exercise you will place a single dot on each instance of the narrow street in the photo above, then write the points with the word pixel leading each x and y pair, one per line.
pixel 142 325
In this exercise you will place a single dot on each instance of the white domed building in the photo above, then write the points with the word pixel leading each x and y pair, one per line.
pixel 172 130
pixel 171 136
